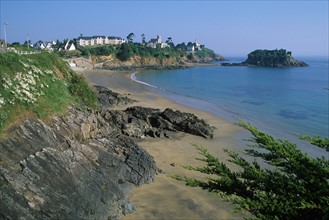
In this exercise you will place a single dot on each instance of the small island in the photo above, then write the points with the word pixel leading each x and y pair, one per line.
pixel 269 58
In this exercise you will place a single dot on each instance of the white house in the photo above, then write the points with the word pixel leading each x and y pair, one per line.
pixel 39 46
pixel 99 40
pixel 157 42
pixel 115 40
pixel 50 45
pixel 85 41
pixel 194 47
pixel 69 46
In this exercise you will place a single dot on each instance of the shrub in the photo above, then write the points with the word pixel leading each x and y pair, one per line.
pixel 79 88
pixel 295 187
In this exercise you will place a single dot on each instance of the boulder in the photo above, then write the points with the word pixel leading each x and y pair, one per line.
pixel 108 99
pixel 138 121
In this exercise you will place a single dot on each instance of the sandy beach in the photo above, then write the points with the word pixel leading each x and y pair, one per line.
pixel 167 198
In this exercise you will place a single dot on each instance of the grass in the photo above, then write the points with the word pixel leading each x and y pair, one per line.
pixel 41 84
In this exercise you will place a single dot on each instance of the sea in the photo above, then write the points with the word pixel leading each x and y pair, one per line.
pixel 284 102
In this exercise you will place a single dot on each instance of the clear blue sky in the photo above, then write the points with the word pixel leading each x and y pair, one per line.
pixel 228 27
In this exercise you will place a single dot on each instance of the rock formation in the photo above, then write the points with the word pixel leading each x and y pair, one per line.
pixel 269 58
pixel 109 99
pixel 84 164
pixel 273 58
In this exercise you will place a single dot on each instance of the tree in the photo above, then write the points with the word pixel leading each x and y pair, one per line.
pixel 27 42
pixel 181 46
pixel 169 42
pixel 125 52
pixel 143 39
pixel 296 186
pixel 130 37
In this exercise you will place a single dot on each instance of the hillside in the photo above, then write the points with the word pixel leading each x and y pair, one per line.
pixel 136 55
pixel 40 85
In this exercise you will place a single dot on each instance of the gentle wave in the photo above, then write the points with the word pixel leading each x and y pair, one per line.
pixel 133 77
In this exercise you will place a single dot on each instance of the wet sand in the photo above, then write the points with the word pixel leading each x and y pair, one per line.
pixel 167 198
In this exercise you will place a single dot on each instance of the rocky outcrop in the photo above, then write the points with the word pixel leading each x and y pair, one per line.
pixel 269 58
pixel 83 165
pixel 108 99
pixel 138 62
pixel 141 122
pixel 76 167
pixel 154 63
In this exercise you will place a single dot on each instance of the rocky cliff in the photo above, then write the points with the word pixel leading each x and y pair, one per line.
pixel 84 164
pixel 137 62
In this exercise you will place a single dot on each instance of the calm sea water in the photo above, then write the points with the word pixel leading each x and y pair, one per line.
pixel 281 101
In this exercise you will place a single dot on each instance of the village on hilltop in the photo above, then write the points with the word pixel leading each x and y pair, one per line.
pixel 97 40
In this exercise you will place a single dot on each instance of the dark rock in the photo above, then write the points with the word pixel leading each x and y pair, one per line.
pixel 188 123
pixel 141 112
pixel 139 122
pixel 160 170
pixel 173 164
pixel 76 167
pixel 108 98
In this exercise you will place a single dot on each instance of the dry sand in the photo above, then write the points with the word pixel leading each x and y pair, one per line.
pixel 167 198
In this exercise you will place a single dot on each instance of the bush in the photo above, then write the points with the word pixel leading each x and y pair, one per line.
pixel 296 187
pixel 79 88
pixel 125 52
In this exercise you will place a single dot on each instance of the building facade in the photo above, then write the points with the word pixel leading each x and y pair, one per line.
pixel 99 40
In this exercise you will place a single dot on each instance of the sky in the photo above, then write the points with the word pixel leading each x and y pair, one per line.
pixel 230 28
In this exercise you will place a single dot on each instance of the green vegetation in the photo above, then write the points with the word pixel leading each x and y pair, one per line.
pixel 41 84
pixel 22 47
pixel 268 57
pixel 205 52
pixel 317 140
pixel 127 50
pixel 295 186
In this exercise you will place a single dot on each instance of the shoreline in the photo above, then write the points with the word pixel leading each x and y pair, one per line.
pixel 167 197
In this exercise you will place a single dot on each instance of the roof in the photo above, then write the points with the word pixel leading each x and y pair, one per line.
pixel 112 37
pixel 85 38
pixel 98 36
pixel 153 41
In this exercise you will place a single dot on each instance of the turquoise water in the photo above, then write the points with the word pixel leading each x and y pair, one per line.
pixel 281 101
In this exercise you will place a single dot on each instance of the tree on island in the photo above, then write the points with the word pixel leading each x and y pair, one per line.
pixel 294 186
